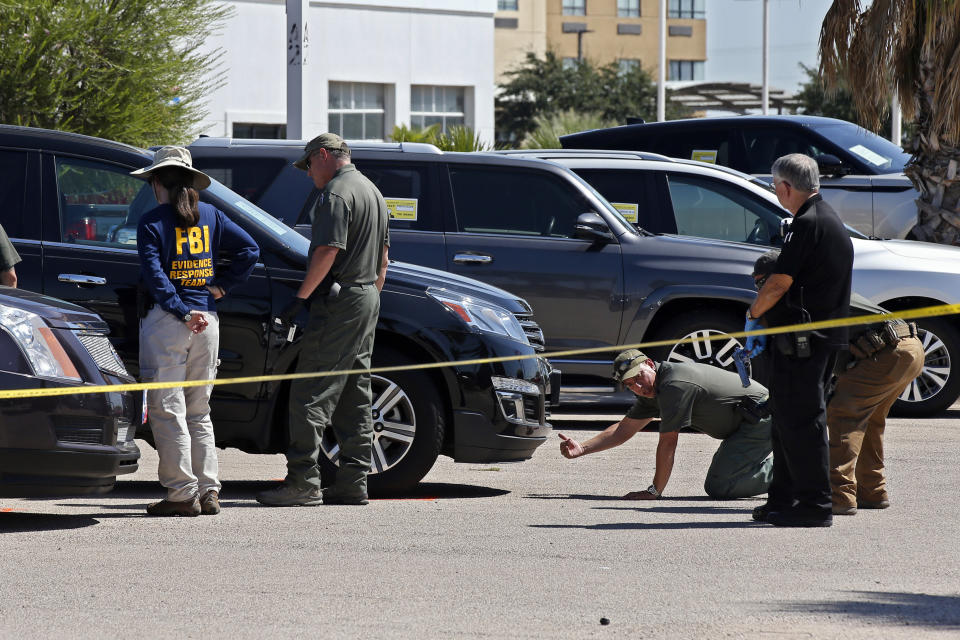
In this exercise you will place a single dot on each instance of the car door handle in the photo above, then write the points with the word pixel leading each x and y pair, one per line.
pixel 76 278
pixel 472 258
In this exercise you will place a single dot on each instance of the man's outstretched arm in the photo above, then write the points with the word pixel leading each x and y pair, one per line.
pixel 613 436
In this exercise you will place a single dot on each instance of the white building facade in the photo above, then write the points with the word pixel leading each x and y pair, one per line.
pixel 369 65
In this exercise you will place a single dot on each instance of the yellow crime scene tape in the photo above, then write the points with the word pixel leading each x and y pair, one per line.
pixel 910 314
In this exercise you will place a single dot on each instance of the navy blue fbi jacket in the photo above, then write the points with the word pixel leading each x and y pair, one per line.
pixel 177 264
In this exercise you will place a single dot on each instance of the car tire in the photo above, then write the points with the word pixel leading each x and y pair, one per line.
pixel 403 402
pixel 932 391
pixel 718 353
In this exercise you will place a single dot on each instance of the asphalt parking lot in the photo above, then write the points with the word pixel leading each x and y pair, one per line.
pixel 531 550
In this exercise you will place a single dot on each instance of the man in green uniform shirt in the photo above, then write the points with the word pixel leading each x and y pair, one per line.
pixel 704 398
pixel 348 264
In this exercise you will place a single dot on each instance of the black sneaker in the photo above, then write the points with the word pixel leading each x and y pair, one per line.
pixel 798 518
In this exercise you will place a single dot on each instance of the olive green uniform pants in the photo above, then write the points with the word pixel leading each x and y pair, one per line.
pixel 338 337
pixel 856 417
pixel 742 466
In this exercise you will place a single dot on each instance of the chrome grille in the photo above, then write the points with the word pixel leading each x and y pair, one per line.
pixel 532 329
pixel 103 353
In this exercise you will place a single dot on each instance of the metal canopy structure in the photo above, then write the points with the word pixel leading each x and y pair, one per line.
pixel 729 96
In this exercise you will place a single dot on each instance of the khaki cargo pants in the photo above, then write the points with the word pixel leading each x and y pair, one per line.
pixel 338 337
pixel 856 417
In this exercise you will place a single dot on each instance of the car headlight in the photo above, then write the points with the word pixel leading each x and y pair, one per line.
pixel 481 315
pixel 43 351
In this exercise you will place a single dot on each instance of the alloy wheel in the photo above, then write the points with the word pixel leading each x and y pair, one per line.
pixel 717 352
pixel 936 369
pixel 394 426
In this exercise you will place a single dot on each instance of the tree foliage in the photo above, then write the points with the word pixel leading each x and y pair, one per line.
pixel 549 128
pixel 912 48
pixel 543 87
pixel 127 70
pixel 457 138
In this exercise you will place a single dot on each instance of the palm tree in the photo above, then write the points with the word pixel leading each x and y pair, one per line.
pixel 911 47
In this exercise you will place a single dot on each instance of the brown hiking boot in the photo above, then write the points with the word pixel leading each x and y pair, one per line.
pixel 210 503
pixel 187 508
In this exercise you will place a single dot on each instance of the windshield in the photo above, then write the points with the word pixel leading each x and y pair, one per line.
pixel 253 218
pixel 881 155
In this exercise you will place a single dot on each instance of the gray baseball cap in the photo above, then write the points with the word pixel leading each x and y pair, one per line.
pixel 330 141
pixel 628 364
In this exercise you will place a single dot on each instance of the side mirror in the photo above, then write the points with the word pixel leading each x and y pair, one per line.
pixel 590 226
pixel 830 165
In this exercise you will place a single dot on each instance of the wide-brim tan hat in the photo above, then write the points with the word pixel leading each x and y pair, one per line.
pixel 174 157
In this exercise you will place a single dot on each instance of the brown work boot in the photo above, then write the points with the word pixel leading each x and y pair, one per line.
pixel 187 508
pixel 210 503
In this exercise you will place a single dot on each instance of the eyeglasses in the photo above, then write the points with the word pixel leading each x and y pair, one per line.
pixel 759 282
pixel 307 162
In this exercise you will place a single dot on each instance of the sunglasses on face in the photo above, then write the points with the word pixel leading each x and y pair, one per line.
pixel 307 163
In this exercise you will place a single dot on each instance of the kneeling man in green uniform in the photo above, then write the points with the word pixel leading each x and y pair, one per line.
pixel 704 398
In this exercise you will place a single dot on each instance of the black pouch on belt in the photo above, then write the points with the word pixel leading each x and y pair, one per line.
pixel 752 411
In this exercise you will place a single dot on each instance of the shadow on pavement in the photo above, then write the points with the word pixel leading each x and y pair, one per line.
pixel 698 510
pixel 243 493
pixel 913 609
pixel 15 522
pixel 635 526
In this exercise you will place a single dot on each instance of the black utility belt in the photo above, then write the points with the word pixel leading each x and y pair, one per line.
pixel 874 340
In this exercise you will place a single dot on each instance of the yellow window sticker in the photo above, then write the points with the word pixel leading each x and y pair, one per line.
pixel 629 210
pixel 704 155
pixel 402 208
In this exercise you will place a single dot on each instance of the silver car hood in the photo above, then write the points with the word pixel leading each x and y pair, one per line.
pixel 884 270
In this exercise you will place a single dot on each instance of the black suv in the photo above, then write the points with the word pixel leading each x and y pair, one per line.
pixel 69 444
pixel 862 172
pixel 71 210
pixel 532 227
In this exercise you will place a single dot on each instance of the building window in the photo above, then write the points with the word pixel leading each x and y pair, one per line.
pixel 687 9
pixel 627 65
pixel 628 8
pixel 436 105
pixel 258 130
pixel 506 5
pixel 686 69
pixel 574 7
pixel 355 110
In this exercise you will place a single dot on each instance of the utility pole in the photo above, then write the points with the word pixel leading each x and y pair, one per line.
pixel 298 44
pixel 766 57
pixel 662 75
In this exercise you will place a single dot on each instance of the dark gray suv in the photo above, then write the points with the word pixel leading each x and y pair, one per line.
pixel 533 228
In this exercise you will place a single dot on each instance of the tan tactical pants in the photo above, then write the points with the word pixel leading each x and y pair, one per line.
pixel 856 417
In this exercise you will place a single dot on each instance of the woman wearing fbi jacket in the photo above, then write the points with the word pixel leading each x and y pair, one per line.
pixel 178 242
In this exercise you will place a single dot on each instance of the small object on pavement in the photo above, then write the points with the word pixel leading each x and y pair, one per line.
pixel 604 621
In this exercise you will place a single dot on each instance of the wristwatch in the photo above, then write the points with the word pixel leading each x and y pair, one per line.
pixel 652 490
pixel 750 315
pixel 188 317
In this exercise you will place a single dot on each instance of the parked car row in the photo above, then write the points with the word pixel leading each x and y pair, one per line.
pixel 604 247
pixel 608 247
pixel 71 210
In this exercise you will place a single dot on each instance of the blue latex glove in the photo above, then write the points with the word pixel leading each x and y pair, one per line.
pixel 755 344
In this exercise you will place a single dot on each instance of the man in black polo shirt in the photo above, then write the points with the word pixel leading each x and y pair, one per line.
pixel 813 276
